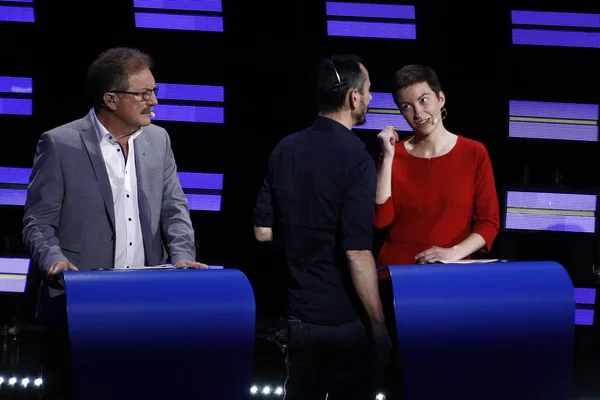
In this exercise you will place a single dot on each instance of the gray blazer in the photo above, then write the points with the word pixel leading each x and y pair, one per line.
pixel 69 212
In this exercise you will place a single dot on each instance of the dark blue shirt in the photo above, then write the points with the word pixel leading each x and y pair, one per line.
pixel 318 196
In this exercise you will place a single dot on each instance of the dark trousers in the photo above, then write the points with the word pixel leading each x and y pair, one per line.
pixel 56 355
pixel 333 362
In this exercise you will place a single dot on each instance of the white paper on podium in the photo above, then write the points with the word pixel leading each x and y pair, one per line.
pixel 480 261
pixel 165 266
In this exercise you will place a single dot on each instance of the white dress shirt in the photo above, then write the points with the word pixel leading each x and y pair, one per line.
pixel 129 244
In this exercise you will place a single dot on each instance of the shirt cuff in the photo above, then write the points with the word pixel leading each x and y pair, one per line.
pixel 262 220
pixel 358 243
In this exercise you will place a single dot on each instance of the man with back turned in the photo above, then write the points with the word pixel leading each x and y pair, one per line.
pixel 317 202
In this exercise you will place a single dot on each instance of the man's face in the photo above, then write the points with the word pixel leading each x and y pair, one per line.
pixel 132 109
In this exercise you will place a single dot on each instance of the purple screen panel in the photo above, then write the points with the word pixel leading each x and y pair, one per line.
pixel 13 274
pixel 382 100
pixel 16 14
pixel 555 223
pixel 585 295
pixel 379 121
pixel 370 10
pixel 13 197
pixel 584 317
pixel 179 22
pixel 545 219
pixel 551 201
pixel 14 265
pixel 382 30
pixel 199 180
pixel 13 84
pixel 555 19
pixel 553 131
pixel 205 202
pixel 175 91
pixel 13 283
pixel 16 106
pixel 189 180
pixel 15 176
pixel 538 37
pixel 188 5
pixel 541 109
pixel 184 113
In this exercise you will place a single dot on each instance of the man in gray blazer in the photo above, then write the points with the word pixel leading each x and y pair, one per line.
pixel 104 190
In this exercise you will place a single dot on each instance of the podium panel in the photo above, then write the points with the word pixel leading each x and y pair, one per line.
pixel 169 334
pixel 484 331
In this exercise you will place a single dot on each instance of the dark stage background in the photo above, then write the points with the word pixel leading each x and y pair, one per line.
pixel 264 59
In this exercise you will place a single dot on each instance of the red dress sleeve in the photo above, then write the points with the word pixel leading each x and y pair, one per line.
pixel 486 218
pixel 383 215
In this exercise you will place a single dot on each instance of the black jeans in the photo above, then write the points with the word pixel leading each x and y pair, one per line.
pixel 329 361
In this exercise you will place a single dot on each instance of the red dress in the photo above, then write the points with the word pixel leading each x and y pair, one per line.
pixel 438 202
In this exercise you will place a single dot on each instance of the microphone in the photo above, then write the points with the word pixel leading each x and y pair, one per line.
pixel 152 115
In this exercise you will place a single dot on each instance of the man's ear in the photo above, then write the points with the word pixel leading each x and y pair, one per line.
pixel 110 101
pixel 353 98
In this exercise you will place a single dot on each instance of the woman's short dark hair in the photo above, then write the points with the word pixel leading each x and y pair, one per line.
pixel 412 74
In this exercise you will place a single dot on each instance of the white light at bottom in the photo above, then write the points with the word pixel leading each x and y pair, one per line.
pixel 267 391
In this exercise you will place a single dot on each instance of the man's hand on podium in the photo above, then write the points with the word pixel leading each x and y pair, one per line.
pixel 190 264
pixel 60 266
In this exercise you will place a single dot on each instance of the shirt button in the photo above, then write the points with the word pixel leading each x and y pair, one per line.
pixel 131 244
pixel 118 149
pixel 130 219
pixel 127 196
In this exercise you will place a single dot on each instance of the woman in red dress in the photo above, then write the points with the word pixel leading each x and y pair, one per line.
pixel 435 189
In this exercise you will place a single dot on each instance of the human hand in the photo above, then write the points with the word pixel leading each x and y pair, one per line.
pixel 60 266
pixel 191 264
pixel 388 138
pixel 436 253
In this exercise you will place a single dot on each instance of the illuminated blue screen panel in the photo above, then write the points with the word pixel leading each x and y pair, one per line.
pixel 15 95
pixel 585 302
pixel 203 190
pixel 382 21
pixel 13 274
pixel 190 103
pixel 382 112
pixel 185 15
pixel 16 11
pixel 542 211
pixel 553 121
pixel 562 29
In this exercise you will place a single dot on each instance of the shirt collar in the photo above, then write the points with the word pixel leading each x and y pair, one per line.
pixel 326 124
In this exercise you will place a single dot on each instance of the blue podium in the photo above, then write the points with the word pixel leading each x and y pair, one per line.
pixel 493 331
pixel 161 334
